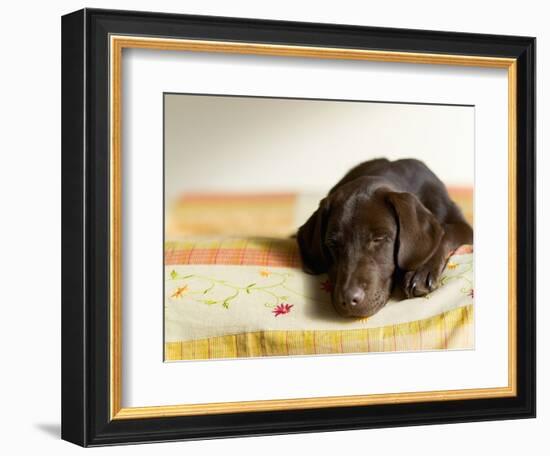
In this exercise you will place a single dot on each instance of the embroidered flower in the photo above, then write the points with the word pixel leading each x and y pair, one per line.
pixel 282 309
pixel 180 291
pixel 265 273
pixel 326 286
pixel 452 266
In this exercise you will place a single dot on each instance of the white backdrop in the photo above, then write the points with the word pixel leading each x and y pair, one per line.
pixel 30 189
pixel 216 143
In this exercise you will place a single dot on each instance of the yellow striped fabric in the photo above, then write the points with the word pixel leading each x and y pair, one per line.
pixel 450 330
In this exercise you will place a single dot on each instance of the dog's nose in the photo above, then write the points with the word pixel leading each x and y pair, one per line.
pixel 354 296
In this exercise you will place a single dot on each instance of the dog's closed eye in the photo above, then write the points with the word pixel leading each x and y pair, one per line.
pixel 380 238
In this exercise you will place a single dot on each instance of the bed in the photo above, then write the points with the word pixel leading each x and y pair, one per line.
pixel 234 287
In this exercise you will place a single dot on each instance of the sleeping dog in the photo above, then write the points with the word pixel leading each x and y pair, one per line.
pixel 385 223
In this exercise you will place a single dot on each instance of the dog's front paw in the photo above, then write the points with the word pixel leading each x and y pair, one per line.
pixel 422 281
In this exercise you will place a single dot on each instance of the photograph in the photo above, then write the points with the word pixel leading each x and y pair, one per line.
pixel 316 227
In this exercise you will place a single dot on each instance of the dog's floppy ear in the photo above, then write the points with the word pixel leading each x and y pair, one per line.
pixel 419 232
pixel 311 240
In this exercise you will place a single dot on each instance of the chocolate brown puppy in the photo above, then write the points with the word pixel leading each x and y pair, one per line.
pixel 384 224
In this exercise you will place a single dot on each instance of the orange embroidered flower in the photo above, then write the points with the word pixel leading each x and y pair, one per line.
pixel 265 273
pixel 180 291
pixel 452 265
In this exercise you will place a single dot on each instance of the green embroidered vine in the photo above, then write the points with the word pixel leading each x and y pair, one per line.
pixel 462 274
pixel 235 290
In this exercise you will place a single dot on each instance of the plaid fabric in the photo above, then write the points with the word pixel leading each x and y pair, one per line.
pixel 235 251
pixel 274 217
pixel 241 251
pixel 450 330
pixel 263 214
pixel 243 215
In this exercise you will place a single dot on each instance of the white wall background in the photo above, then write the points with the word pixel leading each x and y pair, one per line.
pixel 215 143
pixel 30 240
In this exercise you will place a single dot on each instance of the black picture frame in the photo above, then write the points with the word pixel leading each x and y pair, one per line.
pixel 85 228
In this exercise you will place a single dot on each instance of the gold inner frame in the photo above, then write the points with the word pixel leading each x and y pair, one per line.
pixel 117 44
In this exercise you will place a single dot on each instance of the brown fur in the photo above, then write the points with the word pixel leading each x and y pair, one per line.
pixel 384 223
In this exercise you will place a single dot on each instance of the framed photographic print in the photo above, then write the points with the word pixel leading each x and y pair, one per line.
pixel 279 227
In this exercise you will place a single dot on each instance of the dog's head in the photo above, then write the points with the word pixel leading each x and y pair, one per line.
pixel 361 234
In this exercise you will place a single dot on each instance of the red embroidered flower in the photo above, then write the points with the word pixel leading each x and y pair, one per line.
pixel 282 309
pixel 326 286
